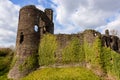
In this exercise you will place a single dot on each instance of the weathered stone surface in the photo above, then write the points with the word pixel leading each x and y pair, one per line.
pixel 114 43
pixel 111 41
pixel 33 23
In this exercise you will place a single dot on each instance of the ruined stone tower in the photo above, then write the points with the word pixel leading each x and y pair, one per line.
pixel 33 23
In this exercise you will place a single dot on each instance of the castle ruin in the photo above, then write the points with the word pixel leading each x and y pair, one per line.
pixel 33 23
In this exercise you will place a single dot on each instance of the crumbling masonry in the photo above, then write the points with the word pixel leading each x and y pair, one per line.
pixel 33 23
pixel 111 41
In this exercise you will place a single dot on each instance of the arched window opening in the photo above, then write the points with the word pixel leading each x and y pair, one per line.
pixel 95 34
pixel 21 37
pixel 36 28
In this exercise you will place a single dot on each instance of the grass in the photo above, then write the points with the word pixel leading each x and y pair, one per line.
pixel 98 57
pixel 71 73
pixel 4 77
pixel 94 54
pixel 6 55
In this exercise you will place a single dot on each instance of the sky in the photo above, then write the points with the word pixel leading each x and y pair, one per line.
pixel 70 16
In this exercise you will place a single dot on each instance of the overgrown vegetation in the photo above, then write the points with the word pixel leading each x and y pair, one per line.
pixel 6 55
pixel 92 52
pixel 47 50
pixel 104 58
pixel 71 73
pixel 30 62
pixel 73 52
pixel 95 55
pixel 110 62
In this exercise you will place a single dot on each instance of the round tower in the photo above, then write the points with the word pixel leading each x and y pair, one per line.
pixel 27 42
pixel 27 24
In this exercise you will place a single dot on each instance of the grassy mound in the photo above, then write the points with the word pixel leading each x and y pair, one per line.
pixel 71 73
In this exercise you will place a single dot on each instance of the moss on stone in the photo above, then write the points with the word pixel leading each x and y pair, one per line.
pixel 47 50
pixel 31 62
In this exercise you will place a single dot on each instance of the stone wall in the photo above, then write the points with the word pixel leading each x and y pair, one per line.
pixel 64 40
pixel 33 23
pixel 111 41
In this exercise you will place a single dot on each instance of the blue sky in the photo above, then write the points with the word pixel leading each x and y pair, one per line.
pixel 70 16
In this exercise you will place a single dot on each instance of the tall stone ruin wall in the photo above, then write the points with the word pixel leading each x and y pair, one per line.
pixel 64 40
pixel 88 36
pixel 27 41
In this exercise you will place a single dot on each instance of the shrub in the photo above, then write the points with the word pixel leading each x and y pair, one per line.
pixel 73 52
pixel 5 51
pixel 3 77
pixel 47 49
pixel 105 59
pixel 5 60
pixel 30 63
pixel 6 56
pixel 97 48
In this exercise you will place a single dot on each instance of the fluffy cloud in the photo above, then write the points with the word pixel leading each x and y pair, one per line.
pixel 70 16
pixel 107 5
pixel 8 22
pixel 40 7
pixel 75 15
pixel 114 25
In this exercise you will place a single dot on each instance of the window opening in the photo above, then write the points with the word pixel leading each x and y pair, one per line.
pixel 21 37
pixel 36 28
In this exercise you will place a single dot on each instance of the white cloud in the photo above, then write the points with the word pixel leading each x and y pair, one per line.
pixel 40 7
pixel 84 13
pixel 69 16
pixel 107 5
pixel 8 22
pixel 114 25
